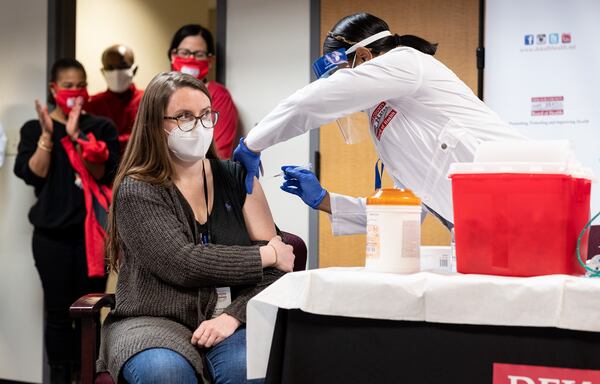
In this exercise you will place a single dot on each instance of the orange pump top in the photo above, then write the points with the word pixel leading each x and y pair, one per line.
pixel 393 196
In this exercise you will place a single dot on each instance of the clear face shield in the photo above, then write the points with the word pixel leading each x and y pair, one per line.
pixel 354 127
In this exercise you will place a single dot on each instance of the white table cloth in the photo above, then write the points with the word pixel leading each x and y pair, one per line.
pixel 559 301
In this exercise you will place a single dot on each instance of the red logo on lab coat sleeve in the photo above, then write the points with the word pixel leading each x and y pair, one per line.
pixel 381 117
pixel 530 374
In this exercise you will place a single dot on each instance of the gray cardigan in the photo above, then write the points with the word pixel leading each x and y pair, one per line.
pixel 166 284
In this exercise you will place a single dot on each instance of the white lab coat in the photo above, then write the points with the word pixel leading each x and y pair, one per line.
pixel 422 118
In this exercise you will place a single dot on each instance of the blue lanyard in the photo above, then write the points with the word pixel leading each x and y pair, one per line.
pixel 378 174
pixel 206 235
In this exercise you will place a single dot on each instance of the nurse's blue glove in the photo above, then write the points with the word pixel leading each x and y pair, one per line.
pixel 302 182
pixel 250 160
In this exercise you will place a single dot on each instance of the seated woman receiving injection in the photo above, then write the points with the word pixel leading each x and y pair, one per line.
pixel 191 248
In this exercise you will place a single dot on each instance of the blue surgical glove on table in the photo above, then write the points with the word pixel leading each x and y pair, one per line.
pixel 250 160
pixel 303 183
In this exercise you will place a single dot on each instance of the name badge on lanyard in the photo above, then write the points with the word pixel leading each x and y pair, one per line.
pixel 223 300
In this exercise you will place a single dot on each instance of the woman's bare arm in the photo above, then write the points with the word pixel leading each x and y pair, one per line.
pixel 260 225
pixel 257 215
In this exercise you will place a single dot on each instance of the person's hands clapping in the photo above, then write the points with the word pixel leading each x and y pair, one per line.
pixel 212 332
pixel 284 255
pixel 73 119
pixel 44 117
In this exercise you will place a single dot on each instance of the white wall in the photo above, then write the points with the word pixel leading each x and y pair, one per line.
pixel 23 31
pixel 267 56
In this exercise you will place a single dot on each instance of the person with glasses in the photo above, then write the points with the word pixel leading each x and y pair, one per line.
pixel 421 116
pixel 192 51
pixel 190 246
pixel 69 158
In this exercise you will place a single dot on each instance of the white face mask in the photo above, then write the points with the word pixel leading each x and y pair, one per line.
pixel 119 80
pixel 190 146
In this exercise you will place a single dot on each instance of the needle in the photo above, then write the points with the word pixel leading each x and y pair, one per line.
pixel 308 167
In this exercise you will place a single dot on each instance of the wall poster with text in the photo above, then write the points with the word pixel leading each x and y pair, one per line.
pixel 542 72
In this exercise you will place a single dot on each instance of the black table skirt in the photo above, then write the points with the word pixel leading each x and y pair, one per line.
pixel 310 348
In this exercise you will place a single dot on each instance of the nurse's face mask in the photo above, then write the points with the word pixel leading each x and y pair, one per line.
pixel 354 127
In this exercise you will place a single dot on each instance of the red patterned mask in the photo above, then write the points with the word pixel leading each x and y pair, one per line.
pixel 191 66
pixel 65 98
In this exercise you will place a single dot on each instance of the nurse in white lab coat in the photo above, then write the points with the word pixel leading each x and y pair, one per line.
pixel 422 118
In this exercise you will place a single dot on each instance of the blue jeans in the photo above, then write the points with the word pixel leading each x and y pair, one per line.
pixel 227 360
pixel 158 365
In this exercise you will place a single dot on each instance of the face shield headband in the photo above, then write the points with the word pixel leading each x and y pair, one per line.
pixel 330 62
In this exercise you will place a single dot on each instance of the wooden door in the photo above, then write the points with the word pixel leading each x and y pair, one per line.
pixel 349 169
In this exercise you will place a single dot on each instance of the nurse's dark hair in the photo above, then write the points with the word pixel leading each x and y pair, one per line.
pixel 61 65
pixel 192 30
pixel 354 28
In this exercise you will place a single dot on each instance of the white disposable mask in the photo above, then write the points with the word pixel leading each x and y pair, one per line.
pixel 119 80
pixel 190 146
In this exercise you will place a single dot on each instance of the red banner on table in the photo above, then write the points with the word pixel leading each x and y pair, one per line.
pixel 531 374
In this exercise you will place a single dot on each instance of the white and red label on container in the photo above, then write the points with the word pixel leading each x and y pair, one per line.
pixel 547 106
pixel 531 374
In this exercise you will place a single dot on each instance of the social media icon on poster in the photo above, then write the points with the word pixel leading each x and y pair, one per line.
pixel 541 38
pixel 554 38
pixel 528 40
pixel 566 38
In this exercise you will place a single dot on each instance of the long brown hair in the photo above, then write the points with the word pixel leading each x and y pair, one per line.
pixel 147 157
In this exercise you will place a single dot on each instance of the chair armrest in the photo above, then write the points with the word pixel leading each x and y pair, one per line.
pixel 300 250
pixel 87 310
pixel 90 305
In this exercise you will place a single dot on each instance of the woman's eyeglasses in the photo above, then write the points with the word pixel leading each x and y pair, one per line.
pixel 186 54
pixel 208 120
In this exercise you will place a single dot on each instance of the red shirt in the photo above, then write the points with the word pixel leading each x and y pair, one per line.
pixel 121 108
pixel 227 126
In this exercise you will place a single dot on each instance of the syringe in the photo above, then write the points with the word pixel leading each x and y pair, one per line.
pixel 308 167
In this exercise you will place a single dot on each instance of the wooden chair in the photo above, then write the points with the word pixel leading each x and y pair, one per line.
pixel 87 310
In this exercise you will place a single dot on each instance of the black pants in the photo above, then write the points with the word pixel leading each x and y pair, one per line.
pixel 61 262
